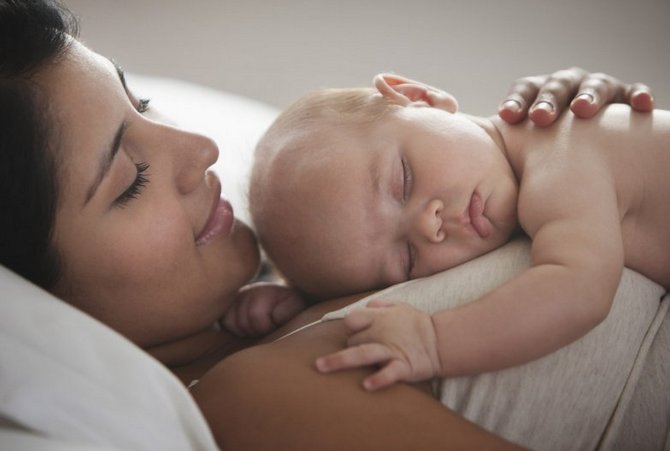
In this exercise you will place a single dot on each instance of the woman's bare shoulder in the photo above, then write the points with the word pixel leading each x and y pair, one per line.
pixel 271 397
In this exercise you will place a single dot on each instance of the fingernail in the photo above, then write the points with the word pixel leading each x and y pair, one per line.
pixel 544 106
pixel 643 94
pixel 512 105
pixel 585 96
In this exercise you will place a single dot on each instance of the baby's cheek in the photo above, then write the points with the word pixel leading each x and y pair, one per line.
pixel 439 259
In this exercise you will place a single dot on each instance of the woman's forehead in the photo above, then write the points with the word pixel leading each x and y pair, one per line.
pixel 80 90
pixel 78 74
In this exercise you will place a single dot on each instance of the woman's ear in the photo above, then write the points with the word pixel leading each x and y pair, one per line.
pixel 404 91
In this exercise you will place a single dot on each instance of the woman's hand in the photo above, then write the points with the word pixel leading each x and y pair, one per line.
pixel 543 98
pixel 260 308
pixel 398 337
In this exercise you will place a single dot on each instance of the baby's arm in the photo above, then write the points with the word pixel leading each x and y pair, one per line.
pixel 259 308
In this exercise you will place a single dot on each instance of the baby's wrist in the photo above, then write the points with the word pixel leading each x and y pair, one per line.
pixel 434 353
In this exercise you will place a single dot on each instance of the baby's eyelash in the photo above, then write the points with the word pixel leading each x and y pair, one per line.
pixel 406 179
pixel 143 105
pixel 135 188
pixel 411 254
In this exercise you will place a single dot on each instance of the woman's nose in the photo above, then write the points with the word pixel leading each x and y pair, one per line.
pixel 193 155
pixel 429 222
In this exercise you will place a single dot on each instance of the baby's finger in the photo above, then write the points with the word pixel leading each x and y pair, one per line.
pixel 358 320
pixel 260 319
pixel 287 309
pixel 394 371
pixel 229 321
pixel 242 318
pixel 363 355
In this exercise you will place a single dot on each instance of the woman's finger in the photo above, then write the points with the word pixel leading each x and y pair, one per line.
pixel 554 95
pixel 514 108
pixel 640 97
pixel 598 90
pixel 544 98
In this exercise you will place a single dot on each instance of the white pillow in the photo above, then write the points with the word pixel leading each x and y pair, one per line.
pixel 68 381
pixel 72 378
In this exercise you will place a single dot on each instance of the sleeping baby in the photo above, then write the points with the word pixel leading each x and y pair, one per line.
pixel 357 189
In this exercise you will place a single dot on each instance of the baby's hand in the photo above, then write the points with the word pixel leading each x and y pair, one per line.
pixel 397 336
pixel 260 308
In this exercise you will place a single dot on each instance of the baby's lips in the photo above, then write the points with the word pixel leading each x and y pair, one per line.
pixel 479 222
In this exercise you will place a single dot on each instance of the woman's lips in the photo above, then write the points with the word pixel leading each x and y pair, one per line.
pixel 220 221
pixel 479 222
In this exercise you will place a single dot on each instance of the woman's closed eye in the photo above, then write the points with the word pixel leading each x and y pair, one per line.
pixel 136 187
pixel 141 177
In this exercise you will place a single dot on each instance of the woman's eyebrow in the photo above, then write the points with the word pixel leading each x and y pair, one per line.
pixel 106 161
pixel 121 74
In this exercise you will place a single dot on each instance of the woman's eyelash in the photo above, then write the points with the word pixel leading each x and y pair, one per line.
pixel 135 188
pixel 143 105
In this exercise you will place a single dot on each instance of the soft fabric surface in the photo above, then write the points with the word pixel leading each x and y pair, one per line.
pixel 73 379
pixel 564 400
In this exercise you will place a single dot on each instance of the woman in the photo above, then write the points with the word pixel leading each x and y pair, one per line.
pixel 117 214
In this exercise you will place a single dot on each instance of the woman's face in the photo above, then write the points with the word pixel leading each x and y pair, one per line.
pixel 147 245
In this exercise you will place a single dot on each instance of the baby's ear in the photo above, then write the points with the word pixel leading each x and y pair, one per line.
pixel 404 91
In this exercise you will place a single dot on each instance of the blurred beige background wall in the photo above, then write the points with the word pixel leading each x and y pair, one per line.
pixel 274 51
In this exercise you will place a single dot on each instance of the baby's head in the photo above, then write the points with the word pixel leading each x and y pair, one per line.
pixel 356 189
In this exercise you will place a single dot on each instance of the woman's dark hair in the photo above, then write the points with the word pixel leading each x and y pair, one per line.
pixel 33 34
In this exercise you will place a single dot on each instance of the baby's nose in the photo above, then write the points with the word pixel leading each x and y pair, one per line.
pixel 429 221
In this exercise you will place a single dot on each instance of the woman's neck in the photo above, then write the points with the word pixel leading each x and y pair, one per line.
pixel 192 356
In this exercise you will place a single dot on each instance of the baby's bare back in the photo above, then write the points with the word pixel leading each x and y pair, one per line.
pixel 643 170
pixel 624 151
